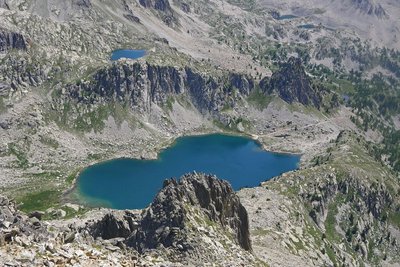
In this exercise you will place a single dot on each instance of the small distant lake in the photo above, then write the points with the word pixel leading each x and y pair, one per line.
pixel 283 17
pixel 306 26
pixel 127 53
pixel 132 183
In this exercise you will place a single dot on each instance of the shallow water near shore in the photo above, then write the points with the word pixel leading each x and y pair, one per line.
pixel 132 183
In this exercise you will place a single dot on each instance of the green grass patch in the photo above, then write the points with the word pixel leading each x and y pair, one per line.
pixel 71 178
pixel 3 107
pixel 170 103
pixel 49 142
pixel 260 232
pixel 259 100
pixel 39 200
pixel 22 160
pixel 330 221
pixel 394 218
pixel 331 254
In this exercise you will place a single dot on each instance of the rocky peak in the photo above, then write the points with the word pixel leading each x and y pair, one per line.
pixel 83 3
pixel 292 84
pixel 369 7
pixel 165 221
pixel 170 221
pixel 164 9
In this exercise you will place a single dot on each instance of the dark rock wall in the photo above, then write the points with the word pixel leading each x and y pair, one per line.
pixel 12 40
pixel 292 84
pixel 144 85
pixel 165 222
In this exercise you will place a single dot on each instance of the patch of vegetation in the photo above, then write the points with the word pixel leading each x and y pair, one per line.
pixel 71 178
pixel 260 232
pixel 71 213
pixel 331 254
pixel 170 103
pixel 258 99
pixel 394 218
pixel 330 221
pixel 39 200
pixel 22 160
pixel 49 142
pixel 3 107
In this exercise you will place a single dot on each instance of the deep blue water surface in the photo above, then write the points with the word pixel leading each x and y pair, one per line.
pixel 130 183
pixel 126 53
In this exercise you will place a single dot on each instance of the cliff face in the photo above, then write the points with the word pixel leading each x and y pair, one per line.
pixel 83 3
pixel 143 85
pixel 292 84
pixel 165 221
pixel 164 9
pixel 369 7
pixel 11 40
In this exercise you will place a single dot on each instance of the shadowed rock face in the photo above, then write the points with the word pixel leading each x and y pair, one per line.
pixel 165 220
pixel 162 5
pixel 164 9
pixel 145 84
pixel 370 7
pixel 11 40
pixel 292 84
pixel 83 3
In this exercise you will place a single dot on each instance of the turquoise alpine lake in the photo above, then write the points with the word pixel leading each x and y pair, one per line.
pixel 127 53
pixel 132 183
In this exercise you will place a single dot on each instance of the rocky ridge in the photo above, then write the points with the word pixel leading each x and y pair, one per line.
pixel 292 84
pixel 173 228
pixel 334 212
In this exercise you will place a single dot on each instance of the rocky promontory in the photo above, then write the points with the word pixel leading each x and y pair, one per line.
pixel 197 219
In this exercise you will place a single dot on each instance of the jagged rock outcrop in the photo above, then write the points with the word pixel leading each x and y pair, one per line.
pixel 162 5
pixel 12 40
pixel 115 224
pixel 168 221
pixel 292 84
pixel 198 219
pixel 143 85
pixel 185 7
pixel 369 7
pixel 83 3
pixel 164 8
pixel 165 221
pixel 15 226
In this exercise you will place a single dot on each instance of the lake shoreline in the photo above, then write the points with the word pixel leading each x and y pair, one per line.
pixel 170 143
